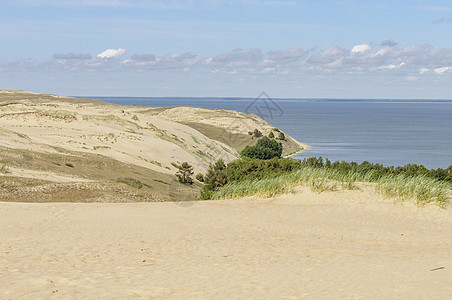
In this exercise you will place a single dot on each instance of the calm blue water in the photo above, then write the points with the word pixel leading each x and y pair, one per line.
pixel 388 132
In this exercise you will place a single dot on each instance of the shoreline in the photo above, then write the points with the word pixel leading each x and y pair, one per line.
pixel 304 148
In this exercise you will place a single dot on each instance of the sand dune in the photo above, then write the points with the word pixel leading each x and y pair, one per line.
pixel 334 245
pixel 48 138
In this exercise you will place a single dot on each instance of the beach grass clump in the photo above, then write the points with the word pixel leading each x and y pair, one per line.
pixel 319 180
pixel 422 188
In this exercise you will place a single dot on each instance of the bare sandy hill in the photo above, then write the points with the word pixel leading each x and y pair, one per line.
pixel 333 245
pixel 51 143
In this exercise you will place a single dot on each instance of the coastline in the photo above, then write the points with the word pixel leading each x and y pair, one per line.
pixel 302 145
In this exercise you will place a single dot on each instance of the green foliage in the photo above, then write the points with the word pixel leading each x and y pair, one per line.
pixel 184 174
pixel 219 174
pixel 200 177
pixel 421 188
pixel 271 135
pixel 246 176
pixel 380 170
pixel 264 149
pixel 131 182
pixel 281 136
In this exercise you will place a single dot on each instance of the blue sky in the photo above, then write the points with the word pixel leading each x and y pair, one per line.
pixel 288 48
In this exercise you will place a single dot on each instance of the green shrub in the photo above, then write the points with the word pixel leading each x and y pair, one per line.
pixel 245 168
pixel 264 149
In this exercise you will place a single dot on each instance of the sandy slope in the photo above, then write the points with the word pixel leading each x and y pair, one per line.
pixel 48 139
pixel 351 244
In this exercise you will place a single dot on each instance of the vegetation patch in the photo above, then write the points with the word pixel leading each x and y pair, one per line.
pixel 101 147
pixel 264 149
pixel 131 182
pixel 268 178
pixel 156 163
pixel 195 139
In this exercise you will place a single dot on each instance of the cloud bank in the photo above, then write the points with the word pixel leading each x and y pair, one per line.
pixel 413 60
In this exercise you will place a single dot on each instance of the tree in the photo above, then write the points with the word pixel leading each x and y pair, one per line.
pixel 264 149
pixel 184 174
pixel 271 135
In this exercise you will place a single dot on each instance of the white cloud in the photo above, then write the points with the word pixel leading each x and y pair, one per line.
pixel 392 66
pixel 361 59
pixel 329 55
pixel 112 53
pixel 362 48
pixel 442 70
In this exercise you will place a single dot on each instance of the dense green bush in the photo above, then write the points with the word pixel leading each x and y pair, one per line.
pixel 264 149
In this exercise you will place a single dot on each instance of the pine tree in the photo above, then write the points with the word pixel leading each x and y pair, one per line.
pixel 185 172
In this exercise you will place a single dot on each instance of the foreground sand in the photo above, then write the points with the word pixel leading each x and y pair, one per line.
pixel 333 245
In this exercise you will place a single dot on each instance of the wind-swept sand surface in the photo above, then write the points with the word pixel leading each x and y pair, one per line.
pixel 350 244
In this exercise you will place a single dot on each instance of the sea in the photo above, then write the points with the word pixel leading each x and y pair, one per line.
pixel 387 131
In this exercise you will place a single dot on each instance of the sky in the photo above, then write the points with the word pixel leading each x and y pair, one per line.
pixel 228 48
